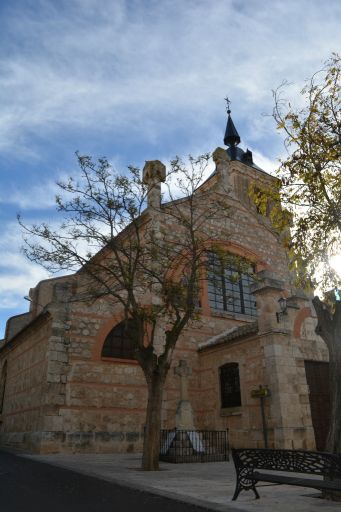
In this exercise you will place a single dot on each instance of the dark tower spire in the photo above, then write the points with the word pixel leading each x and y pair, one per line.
pixel 231 138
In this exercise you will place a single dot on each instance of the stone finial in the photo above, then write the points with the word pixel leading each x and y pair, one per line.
pixel 154 172
pixel 221 159
pixel 219 155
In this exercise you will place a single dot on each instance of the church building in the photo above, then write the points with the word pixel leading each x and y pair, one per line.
pixel 251 364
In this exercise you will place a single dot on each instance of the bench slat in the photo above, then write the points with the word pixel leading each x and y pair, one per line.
pixel 290 480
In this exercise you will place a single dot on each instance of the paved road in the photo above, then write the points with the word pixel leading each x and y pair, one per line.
pixel 27 485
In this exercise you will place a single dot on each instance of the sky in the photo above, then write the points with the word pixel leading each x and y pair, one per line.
pixel 137 80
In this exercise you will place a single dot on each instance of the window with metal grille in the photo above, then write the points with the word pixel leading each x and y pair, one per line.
pixel 230 385
pixel 119 342
pixel 229 286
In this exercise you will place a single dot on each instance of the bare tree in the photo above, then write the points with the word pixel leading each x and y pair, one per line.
pixel 149 261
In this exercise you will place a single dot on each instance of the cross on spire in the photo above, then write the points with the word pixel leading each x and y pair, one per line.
pixel 228 103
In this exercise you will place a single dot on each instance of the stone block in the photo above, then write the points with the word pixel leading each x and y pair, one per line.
pixel 53 423
pixel 273 350
pixel 132 436
pixel 53 399
pixel 54 367
pixel 53 377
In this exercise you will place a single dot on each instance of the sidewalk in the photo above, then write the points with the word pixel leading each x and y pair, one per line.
pixel 209 485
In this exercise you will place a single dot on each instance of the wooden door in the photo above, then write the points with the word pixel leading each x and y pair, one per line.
pixel 318 381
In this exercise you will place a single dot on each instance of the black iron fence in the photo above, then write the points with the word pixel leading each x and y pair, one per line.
pixel 194 445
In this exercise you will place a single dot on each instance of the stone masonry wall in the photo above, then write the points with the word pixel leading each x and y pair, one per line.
pixel 275 360
pixel 95 404
pixel 244 423
pixel 22 423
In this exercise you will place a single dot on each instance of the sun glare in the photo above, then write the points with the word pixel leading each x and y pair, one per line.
pixel 335 262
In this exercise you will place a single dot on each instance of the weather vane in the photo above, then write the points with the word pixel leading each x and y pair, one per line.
pixel 228 103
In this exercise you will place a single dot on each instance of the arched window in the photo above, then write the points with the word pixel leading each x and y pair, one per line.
pixel 229 385
pixel 119 342
pixel 229 285
pixel 3 377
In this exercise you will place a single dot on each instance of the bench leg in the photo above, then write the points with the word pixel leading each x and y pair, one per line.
pixel 236 492
pixel 240 488
pixel 256 492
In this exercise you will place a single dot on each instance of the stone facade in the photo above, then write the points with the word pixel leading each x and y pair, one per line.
pixel 58 394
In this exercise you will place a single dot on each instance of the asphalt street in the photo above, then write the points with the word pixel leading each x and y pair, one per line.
pixel 27 485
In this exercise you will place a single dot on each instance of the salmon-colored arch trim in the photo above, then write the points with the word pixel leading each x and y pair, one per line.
pixel 230 247
pixel 239 250
pixel 103 333
pixel 300 317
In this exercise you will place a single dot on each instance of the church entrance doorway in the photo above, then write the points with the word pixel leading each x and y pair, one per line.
pixel 318 382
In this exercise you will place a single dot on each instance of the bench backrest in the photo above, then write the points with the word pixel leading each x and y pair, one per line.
pixel 297 461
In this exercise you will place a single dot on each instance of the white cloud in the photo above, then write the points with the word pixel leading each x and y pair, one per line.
pixel 42 194
pixel 21 275
pixel 34 197
pixel 17 274
pixel 264 162
pixel 125 67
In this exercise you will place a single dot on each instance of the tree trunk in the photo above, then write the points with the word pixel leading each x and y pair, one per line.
pixel 151 445
pixel 329 328
pixel 334 436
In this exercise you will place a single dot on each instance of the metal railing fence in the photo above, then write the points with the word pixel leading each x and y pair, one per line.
pixel 194 445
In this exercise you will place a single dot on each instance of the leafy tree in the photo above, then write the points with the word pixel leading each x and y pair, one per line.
pixel 309 188
pixel 149 262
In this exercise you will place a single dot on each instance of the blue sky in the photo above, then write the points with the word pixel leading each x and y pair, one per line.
pixel 134 81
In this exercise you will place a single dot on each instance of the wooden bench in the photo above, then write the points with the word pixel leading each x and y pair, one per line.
pixel 248 462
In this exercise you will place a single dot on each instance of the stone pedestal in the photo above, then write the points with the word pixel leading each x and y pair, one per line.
pixel 184 412
pixel 184 416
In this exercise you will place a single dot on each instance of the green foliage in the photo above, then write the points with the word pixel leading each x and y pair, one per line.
pixel 309 180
